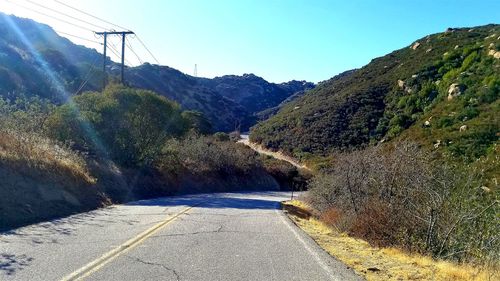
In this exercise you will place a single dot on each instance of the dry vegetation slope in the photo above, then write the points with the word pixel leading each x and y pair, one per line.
pixel 41 179
pixel 379 263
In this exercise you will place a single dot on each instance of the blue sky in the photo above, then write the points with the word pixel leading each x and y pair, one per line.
pixel 276 39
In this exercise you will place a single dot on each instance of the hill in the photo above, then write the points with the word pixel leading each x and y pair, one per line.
pixel 406 148
pixel 254 93
pixel 442 90
pixel 114 146
pixel 36 61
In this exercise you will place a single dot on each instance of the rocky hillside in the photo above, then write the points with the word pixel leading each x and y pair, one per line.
pixel 34 60
pixel 442 91
pixel 253 92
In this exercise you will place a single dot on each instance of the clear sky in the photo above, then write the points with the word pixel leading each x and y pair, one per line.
pixel 279 40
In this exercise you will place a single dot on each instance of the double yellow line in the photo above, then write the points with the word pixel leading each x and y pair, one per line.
pixel 97 264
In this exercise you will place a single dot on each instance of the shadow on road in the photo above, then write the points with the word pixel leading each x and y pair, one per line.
pixel 213 202
pixel 51 231
pixel 10 263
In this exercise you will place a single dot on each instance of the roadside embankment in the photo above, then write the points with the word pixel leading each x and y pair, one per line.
pixel 379 263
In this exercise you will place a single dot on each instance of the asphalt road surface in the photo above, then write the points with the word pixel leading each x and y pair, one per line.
pixel 230 236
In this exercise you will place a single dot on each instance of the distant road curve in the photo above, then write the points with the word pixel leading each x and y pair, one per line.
pixel 278 155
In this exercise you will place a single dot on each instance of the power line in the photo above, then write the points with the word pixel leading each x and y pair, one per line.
pixel 113 47
pixel 115 51
pixel 89 14
pixel 64 14
pixel 79 37
pixel 145 47
pixel 89 74
pixel 131 49
pixel 108 22
pixel 50 16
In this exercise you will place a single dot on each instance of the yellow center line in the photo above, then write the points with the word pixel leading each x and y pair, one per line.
pixel 97 264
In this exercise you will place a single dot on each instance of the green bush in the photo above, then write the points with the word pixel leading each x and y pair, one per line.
pixel 445 121
pixel 127 124
pixel 197 122
pixel 26 114
pixel 221 136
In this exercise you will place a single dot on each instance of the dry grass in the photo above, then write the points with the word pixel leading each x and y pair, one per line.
pixel 25 150
pixel 382 263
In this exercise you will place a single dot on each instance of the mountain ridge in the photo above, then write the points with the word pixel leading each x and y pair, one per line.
pixel 30 52
pixel 397 92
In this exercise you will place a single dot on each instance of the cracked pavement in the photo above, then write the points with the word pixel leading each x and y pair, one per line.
pixel 226 236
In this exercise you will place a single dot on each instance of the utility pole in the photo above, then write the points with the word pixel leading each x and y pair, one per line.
pixel 123 34
pixel 104 62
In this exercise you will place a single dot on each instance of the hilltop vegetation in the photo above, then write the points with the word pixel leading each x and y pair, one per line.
pixel 36 61
pixel 397 92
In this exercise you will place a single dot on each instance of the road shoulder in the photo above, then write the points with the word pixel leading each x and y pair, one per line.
pixel 376 263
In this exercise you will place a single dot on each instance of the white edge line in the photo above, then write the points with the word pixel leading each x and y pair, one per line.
pixel 313 253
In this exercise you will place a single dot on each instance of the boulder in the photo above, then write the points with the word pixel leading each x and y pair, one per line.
pixel 415 45
pixel 463 128
pixel 401 84
pixel 495 54
pixel 437 144
pixel 427 123
pixel 428 50
pixel 454 91
pixel 485 189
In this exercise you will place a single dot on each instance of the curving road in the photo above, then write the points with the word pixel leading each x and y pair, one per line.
pixel 245 139
pixel 232 236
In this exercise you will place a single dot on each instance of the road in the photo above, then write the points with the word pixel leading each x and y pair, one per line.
pixel 230 236
pixel 245 139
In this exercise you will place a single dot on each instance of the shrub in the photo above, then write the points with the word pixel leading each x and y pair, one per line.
pixel 402 196
pixel 26 114
pixel 221 136
pixel 203 154
pixel 376 223
pixel 30 152
pixel 129 125
pixel 335 217
pixel 197 122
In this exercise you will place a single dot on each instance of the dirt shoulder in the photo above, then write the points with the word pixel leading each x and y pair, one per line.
pixel 379 263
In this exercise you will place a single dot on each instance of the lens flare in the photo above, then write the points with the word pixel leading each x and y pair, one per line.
pixel 62 94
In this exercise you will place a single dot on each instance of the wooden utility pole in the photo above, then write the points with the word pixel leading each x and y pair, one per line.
pixel 104 62
pixel 123 34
